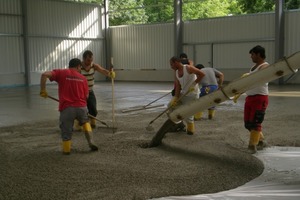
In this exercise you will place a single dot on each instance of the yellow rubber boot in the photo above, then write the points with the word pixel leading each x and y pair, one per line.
pixel 190 128
pixel 261 136
pixel 211 114
pixel 198 116
pixel 253 141
pixel 236 97
pixel 93 122
pixel 67 147
pixel 89 136
pixel 77 127
pixel 261 144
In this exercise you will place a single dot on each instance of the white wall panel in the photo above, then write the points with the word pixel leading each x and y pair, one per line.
pixel 64 32
pixel 235 56
pixel 59 31
pixel 12 60
pixel 292 39
pixel 11 44
pixel 48 54
pixel 10 24
pixel 292 32
pixel 58 18
pixel 10 7
pixel 235 28
pixel 142 46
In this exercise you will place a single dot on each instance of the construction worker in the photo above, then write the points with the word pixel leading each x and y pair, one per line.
pixel 184 60
pixel 88 70
pixel 73 92
pixel 180 127
pixel 187 89
pixel 256 102
pixel 212 80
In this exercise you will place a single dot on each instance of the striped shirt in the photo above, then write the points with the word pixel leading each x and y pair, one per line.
pixel 89 75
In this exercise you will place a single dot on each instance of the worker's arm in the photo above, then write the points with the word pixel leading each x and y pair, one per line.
pixel 46 75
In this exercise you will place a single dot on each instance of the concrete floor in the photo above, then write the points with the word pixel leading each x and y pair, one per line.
pixel 279 180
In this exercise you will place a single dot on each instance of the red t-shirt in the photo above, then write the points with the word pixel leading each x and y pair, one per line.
pixel 72 88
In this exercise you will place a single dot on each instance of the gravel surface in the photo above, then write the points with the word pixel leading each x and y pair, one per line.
pixel 214 159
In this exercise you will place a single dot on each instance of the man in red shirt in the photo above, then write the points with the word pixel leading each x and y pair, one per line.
pixel 73 93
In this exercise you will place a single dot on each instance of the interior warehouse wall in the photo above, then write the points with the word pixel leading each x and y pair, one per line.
pixel 57 32
pixel 11 43
pixel 223 43
pixel 142 52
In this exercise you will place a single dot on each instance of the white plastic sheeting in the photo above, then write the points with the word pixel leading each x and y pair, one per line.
pixel 280 179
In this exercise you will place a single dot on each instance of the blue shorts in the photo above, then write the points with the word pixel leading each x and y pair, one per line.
pixel 207 90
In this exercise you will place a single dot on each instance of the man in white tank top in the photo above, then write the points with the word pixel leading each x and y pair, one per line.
pixel 256 102
pixel 186 87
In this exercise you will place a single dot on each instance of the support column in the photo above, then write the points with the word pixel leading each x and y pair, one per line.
pixel 107 45
pixel 178 27
pixel 24 4
pixel 279 33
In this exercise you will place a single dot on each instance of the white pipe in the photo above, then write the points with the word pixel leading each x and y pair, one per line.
pixel 281 68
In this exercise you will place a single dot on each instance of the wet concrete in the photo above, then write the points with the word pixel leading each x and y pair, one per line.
pixel 22 105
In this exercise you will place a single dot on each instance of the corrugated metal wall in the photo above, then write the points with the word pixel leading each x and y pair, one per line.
pixel 11 43
pixel 292 32
pixel 64 32
pixel 58 31
pixel 228 36
pixel 142 46
pixel 223 43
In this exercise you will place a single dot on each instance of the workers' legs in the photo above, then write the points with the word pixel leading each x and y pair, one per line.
pixel 190 130
pixel 89 136
pixel 211 113
pixel 198 116
pixel 66 147
pixel 203 92
pixel 253 141
pixel 82 116
pixel 76 126
pixel 92 107
pixel 93 122
pixel 262 143
pixel 254 112
pixel 66 121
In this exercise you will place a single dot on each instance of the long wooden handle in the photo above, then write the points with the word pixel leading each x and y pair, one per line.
pixel 113 100
pixel 91 116
pixel 53 98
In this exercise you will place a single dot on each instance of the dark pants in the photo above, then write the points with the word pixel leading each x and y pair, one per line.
pixel 254 111
pixel 92 104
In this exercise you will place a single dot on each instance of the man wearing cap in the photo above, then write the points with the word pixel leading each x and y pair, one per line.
pixel 73 93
